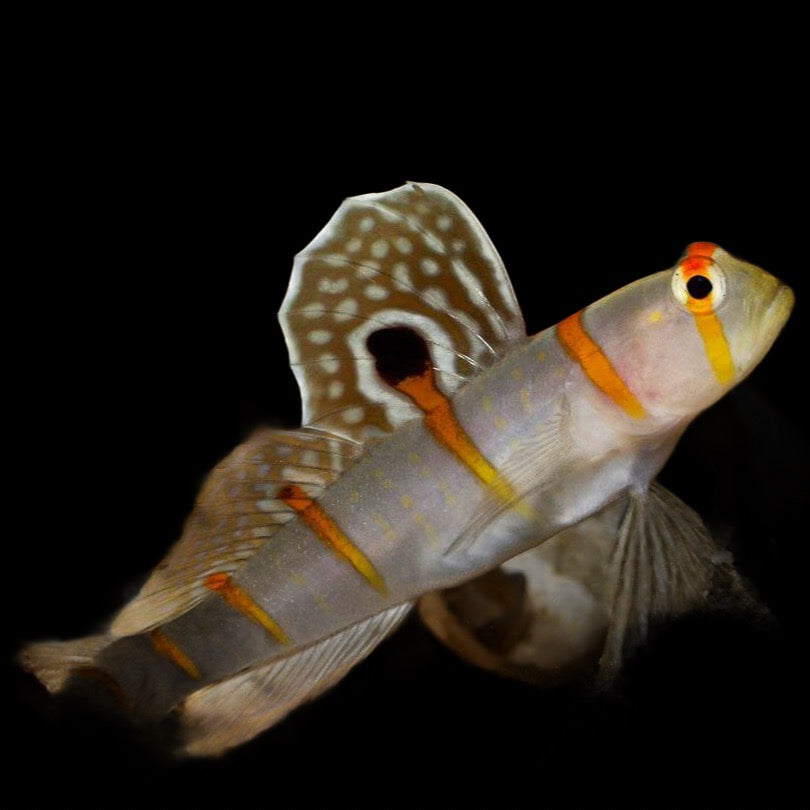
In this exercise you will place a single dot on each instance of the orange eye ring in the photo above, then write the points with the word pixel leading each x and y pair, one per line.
pixel 698 285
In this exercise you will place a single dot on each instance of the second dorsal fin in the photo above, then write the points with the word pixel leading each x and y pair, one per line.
pixel 236 511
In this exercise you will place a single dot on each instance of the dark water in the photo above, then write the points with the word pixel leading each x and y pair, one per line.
pixel 156 243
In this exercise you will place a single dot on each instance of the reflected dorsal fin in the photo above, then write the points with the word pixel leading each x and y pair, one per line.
pixel 414 257
pixel 235 512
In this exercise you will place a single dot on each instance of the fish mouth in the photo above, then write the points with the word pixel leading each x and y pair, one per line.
pixel 775 317
pixel 779 309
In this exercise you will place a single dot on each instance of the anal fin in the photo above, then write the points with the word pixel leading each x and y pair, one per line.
pixel 235 710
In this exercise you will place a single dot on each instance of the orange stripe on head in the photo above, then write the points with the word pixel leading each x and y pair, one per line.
pixel 581 347
pixel 330 534
pixel 169 649
pixel 242 601
pixel 698 262
pixel 706 249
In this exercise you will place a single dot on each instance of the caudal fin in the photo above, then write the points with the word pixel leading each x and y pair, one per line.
pixel 53 662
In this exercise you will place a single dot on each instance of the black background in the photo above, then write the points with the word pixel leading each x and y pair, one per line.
pixel 158 195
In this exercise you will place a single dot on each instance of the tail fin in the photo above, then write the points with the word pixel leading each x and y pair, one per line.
pixel 53 662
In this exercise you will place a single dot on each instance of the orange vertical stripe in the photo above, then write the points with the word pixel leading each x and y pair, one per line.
pixel 698 262
pixel 716 345
pixel 330 534
pixel 168 648
pixel 242 601
pixel 599 370
pixel 443 425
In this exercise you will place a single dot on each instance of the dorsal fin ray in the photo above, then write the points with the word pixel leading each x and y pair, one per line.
pixel 414 256
pixel 236 511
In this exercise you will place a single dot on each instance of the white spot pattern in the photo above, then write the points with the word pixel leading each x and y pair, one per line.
pixel 376 292
pixel 313 310
pixel 329 363
pixel 319 336
pixel 379 250
pixel 402 276
pixel 414 255
pixel 310 458
pixel 349 306
pixel 353 415
pixel 430 267
pixel 436 297
pixel 346 309
pixel 333 286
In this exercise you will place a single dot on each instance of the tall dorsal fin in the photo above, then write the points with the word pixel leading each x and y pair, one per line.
pixel 236 511
pixel 414 256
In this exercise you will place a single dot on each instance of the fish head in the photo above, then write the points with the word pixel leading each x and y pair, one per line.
pixel 680 339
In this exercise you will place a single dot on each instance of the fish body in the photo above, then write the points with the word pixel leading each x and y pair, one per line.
pixel 439 442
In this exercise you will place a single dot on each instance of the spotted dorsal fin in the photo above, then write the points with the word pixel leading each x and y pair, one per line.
pixel 236 511
pixel 412 257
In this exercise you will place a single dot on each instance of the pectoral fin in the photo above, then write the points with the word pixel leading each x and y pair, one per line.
pixel 663 564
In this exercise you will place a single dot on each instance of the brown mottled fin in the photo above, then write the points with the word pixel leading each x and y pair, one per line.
pixel 412 257
pixel 235 710
pixel 236 511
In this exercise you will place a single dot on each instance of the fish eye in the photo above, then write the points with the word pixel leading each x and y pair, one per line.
pixel 699 286
pixel 698 289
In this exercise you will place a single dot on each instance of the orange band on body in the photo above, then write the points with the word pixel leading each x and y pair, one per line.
pixel 242 601
pixel 580 347
pixel 698 262
pixel 168 648
pixel 443 425
pixel 330 534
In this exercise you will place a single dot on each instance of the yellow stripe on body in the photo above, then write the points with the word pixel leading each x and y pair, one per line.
pixel 330 534
pixel 698 262
pixel 242 601
pixel 443 425
pixel 169 649
pixel 441 421
pixel 600 371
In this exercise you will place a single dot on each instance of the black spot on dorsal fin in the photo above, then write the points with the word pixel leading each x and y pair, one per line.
pixel 399 352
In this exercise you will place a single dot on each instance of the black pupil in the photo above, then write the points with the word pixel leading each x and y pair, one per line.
pixel 699 286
